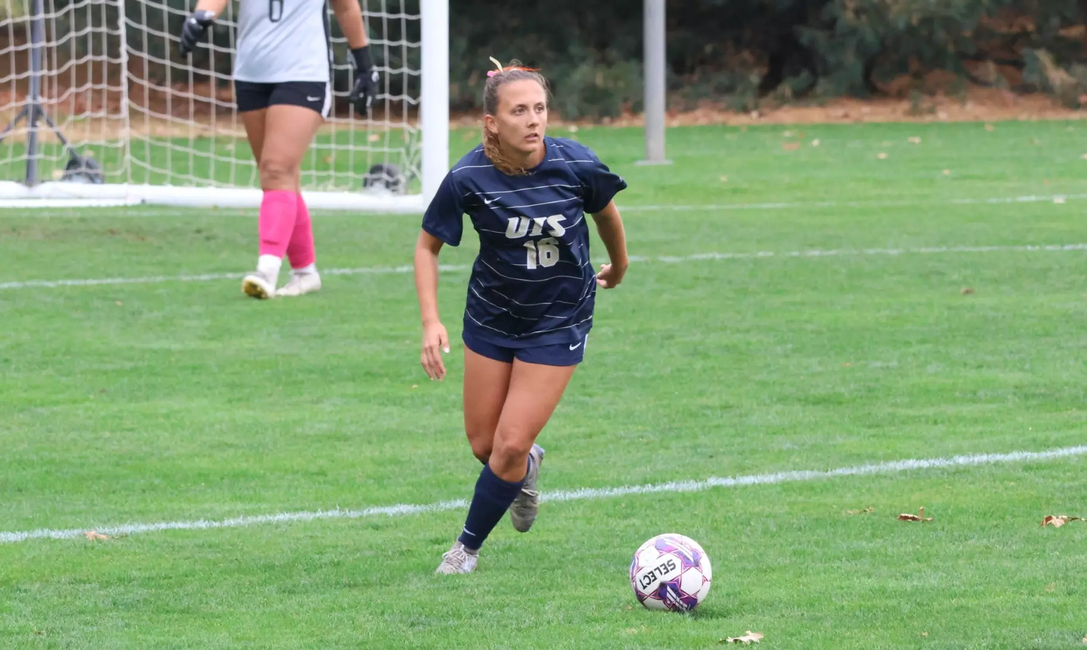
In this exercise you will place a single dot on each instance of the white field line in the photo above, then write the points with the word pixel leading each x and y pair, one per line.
pixel 888 203
pixel 583 494
pixel 168 212
pixel 205 277
pixel 665 259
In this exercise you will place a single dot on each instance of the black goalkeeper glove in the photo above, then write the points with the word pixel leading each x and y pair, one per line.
pixel 362 95
pixel 193 31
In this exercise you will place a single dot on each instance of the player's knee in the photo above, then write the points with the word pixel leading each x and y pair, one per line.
pixel 276 174
pixel 511 447
pixel 481 449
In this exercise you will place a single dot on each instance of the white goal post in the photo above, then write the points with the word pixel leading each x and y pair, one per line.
pixel 98 108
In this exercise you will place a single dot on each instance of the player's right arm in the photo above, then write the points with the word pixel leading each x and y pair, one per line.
pixel 435 338
pixel 197 24
pixel 442 224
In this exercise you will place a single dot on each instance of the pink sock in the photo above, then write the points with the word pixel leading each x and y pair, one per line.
pixel 278 211
pixel 300 251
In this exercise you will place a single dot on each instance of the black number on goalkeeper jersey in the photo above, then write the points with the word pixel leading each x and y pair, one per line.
pixel 275 10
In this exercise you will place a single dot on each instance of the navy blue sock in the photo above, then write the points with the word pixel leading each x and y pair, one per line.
pixel 492 498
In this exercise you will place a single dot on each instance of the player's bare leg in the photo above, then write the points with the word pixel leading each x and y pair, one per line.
pixel 535 391
pixel 286 136
pixel 258 284
pixel 253 121
pixel 485 384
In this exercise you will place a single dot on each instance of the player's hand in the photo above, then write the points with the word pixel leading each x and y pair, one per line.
pixel 435 342
pixel 362 95
pixel 610 275
pixel 194 29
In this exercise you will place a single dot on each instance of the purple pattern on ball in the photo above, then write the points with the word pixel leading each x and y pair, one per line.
pixel 689 557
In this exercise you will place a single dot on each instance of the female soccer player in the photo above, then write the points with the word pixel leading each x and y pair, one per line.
pixel 530 295
pixel 282 86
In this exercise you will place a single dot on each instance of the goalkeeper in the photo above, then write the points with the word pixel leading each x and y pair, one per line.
pixel 283 90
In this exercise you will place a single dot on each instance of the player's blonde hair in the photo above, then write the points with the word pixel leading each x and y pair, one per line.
pixel 495 80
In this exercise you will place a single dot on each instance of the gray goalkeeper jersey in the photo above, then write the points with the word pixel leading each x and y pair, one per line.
pixel 282 40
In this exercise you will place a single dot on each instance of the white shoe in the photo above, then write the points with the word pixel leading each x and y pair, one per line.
pixel 458 560
pixel 299 284
pixel 257 285
pixel 526 506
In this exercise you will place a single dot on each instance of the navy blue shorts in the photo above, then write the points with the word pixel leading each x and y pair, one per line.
pixel 562 354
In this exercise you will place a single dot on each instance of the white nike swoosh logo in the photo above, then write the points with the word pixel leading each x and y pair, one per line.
pixel 311 99
pixel 486 202
pixel 574 347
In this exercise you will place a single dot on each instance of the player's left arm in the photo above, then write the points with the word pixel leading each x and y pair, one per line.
pixel 353 25
pixel 609 225
pixel 349 16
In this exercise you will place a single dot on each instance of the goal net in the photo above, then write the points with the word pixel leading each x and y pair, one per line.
pixel 97 107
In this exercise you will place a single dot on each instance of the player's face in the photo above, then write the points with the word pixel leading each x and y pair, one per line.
pixel 522 116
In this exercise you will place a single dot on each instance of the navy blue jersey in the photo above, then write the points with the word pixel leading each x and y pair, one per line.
pixel 532 282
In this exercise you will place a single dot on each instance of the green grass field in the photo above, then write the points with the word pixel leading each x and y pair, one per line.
pixel 789 309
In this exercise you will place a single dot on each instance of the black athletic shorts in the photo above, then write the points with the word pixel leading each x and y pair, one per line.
pixel 253 96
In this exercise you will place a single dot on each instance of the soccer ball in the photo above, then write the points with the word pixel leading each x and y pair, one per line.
pixel 670 572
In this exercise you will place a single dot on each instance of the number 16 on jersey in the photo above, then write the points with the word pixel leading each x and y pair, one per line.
pixel 544 252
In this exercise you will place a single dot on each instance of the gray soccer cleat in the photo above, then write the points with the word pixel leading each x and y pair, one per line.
pixel 524 508
pixel 458 560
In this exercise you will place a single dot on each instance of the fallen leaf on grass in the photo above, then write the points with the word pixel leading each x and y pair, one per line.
pixel 966 290
pixel 791 146
pixel 882 156
pixel 989 127
pixel 915 140
pixel 95 536
pixel 860 512
pixel 745 639
pixel 815 143
pixel 1057 521
pixel 918 517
